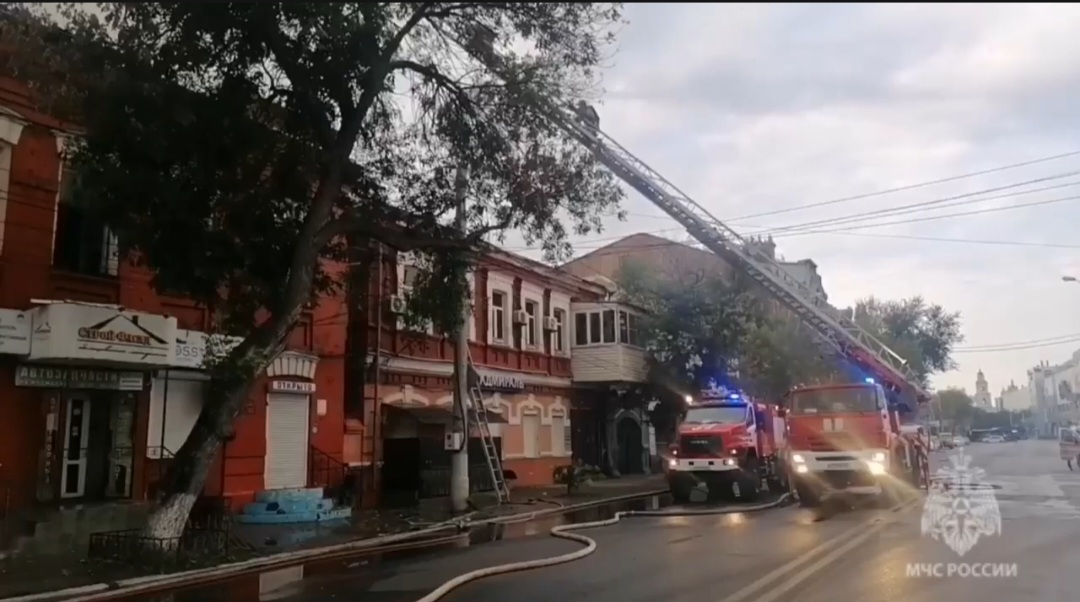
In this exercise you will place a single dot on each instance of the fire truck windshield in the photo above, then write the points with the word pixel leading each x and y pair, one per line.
pixel 716 415
pixel 840 399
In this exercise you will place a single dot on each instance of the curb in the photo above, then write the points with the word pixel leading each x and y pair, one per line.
pixel 286 559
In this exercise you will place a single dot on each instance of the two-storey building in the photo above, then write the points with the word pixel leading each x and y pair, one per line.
pixel 102 377
pixel 519 334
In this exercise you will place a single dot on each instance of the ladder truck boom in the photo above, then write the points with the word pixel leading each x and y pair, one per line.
pixel 843 337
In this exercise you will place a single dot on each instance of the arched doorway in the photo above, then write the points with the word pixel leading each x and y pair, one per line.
pixel 630 449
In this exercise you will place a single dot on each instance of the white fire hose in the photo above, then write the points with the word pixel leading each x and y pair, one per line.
pixel 564 532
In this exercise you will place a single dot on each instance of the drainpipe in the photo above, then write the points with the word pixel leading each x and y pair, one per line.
pixel 376 406
pixel 161 443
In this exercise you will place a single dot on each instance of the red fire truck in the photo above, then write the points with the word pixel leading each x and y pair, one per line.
pixel 728 443
pixel 843 439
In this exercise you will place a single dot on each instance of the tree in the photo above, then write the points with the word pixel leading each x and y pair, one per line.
pixel 952 406
pixel 923 334
pixel 783 353
pixel 235 149
pixel 702 326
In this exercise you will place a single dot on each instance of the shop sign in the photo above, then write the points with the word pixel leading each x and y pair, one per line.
pixel 191 348
pixel 60 377
pixel 14 332
pixel 101 333
pixel 490 381
pixel 292 386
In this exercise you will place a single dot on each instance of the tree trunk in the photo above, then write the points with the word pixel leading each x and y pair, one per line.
pixel 226 395
pixel 229 388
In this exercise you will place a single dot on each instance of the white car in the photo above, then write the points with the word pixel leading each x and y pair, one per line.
pixel 959 441
pixel 993 439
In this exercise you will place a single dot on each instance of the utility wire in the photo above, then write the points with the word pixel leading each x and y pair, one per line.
pixel 1021 345
pixel 936 204
pixel 906 187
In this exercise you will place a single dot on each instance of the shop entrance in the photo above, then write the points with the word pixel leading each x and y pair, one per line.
pixel 97 457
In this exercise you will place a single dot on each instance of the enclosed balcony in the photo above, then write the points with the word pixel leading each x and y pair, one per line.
pixel 606 344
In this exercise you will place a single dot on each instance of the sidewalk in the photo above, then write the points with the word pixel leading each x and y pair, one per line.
pixel 23 575
pixel 366 524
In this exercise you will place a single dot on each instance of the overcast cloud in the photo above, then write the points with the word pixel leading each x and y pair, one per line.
pixel 753 108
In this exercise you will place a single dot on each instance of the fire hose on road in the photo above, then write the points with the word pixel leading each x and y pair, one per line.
pixel 566 532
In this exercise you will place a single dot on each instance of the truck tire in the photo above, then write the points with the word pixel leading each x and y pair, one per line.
pixel 808 496
pixel 680 493
pixel 750 480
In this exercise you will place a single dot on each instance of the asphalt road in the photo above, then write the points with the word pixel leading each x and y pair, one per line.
pixel 781 555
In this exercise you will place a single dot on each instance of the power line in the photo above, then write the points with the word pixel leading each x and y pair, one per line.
pixel 1021 345
pixel 942 203
pixel 935 217
pixel 904 188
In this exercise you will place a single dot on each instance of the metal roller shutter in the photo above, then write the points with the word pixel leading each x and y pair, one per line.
pixel 286 440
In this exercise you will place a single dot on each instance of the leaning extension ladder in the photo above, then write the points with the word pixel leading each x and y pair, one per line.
pixel 477 414
pixel 838 334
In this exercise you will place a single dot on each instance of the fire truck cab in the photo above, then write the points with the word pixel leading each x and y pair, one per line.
pixel 728 443
pixel 843 439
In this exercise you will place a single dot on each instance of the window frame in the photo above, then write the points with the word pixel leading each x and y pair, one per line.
pixel 558 343
pixel 405 263
pixel 597 327
pixel 529 340
pixel 498 317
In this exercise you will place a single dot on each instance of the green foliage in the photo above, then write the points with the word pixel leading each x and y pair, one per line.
pixel 231 146
pixel 952 406
pixel 923 334
pixel 781 354
pixel 699 327
pixel 695 326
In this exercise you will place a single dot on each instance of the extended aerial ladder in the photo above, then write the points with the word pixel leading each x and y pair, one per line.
pixel 840 334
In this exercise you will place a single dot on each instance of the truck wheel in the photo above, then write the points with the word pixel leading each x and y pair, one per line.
pixel 808 496
pixel 750 480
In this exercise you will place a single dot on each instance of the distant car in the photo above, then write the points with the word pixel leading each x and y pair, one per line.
pixel 959 441
pixel 993 439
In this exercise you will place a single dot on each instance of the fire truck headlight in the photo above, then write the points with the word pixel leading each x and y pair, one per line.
pixel 802 469
pixel 878 457
pixel 673 463
pixel 798 459
pixel 876 468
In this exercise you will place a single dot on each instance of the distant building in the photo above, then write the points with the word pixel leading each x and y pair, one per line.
pixel 981 399
pixel 1016 399
pixel 1056 392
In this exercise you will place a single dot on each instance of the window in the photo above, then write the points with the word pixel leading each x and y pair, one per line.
pixel 609 325
pixel 531 311
pixel 581 329
pixel 594 327
pixel 498 316
pixel 410 272
pixel 628 328
pixel 82 242
pixel 530 426
pixel 560 330
pixel 558 436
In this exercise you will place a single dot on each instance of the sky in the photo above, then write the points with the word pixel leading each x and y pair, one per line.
pixel 757 108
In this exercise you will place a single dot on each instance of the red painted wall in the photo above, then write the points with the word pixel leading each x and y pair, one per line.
pixel 26 273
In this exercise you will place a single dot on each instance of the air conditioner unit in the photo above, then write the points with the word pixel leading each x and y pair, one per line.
pixel 550 324
pixel 520 317
pixel 398 305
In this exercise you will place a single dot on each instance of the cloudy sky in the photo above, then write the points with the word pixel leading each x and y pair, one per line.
pixel 757 108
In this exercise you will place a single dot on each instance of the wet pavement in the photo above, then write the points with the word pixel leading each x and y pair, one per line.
pixel 785 554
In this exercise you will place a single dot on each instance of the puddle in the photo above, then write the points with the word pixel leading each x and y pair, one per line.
pixel 348 577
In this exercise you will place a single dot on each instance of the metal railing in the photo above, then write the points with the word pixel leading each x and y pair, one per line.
pixel 333 475
pixel 131 547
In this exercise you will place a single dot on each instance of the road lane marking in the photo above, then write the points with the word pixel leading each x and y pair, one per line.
pixel 866 528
